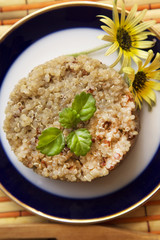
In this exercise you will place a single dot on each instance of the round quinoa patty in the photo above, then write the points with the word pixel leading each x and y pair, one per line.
pixel 35 104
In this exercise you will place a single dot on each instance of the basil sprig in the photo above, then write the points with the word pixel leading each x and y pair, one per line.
pixel 69 118
pixel 84 105
pixel 79 141
pixel 52 141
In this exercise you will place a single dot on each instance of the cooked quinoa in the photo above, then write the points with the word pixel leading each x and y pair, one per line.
pixel 35 104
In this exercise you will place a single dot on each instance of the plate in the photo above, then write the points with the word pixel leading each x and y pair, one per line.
pixel 48 33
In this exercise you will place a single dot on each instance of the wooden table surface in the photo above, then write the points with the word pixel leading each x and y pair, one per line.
pixel 145 218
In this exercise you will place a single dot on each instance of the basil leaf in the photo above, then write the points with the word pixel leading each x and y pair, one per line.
pixel 79 141
pixel 69 118
pixel 51 141
pixel 84 105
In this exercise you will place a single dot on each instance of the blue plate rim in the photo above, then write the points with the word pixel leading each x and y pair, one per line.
pixel 62 5
pixel 80 221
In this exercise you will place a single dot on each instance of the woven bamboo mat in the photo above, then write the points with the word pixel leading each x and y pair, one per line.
pixel 145 218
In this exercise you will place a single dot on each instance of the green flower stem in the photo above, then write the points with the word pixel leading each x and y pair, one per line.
pixel 90 51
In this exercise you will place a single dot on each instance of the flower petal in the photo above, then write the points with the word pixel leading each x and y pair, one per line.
pixel 118 59
pixel 129 70
pixel 150 93
pixel 153 85
pixel 153 75
pixel 108 30
pixel 131 15
pixel 149 58
pixel 129 62
pixel 147 99
pixel 139 96
pixel 106 38
pixel 107 21
pixel 141 36
pixel 142 26
pixel 125 61
pixel 130 26
pixel 155 64
pixel 143 44
pixel 139 53
pixel 115 15
pixel 135 59
pixel 112 49
pixel 139 63
pixel 157 75
pixel 137 19
pixel 123 14
pixel 137 100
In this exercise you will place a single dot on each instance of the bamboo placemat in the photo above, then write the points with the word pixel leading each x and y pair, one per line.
pixel 145 218
pixel 13 10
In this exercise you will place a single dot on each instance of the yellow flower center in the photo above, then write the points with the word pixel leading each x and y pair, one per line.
pixel 139 81
pixel 124 39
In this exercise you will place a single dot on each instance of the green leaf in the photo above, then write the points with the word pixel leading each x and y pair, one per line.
pixel 51 141
pixel 69 118
pixel 84 105
pixel 79 141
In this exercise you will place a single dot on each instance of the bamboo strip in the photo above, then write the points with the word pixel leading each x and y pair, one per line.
pixel 127 2
pixel 19 7
pixel 33 5
pixel 156 19
pixel 9 214
pixel 22 220
pixel 157 194
pixel 110 2
pixel 151 6
pixel 155 5
pixel 26 213
pixel 37 5
pixel 9 21
pixel 157 28
pixel 4 29
pixel 139 212
pixel 135 219
pixel 63 231
pixel 153 210
pixel 2 194
pixel 38 1
pixel 141 226
pixel 152 202
pixel 15 214
pixel 9 206
pixel 153 232
pixel 11 2
pixel 154 226
pixel 12 21
pixel 140 2
pixel 4 199
pixel 152 14
pixel 32 10
pixel 12 15
pixel 140 7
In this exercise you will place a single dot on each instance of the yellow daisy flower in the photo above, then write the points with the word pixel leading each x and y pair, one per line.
pixel 141 82
pixel 127 34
